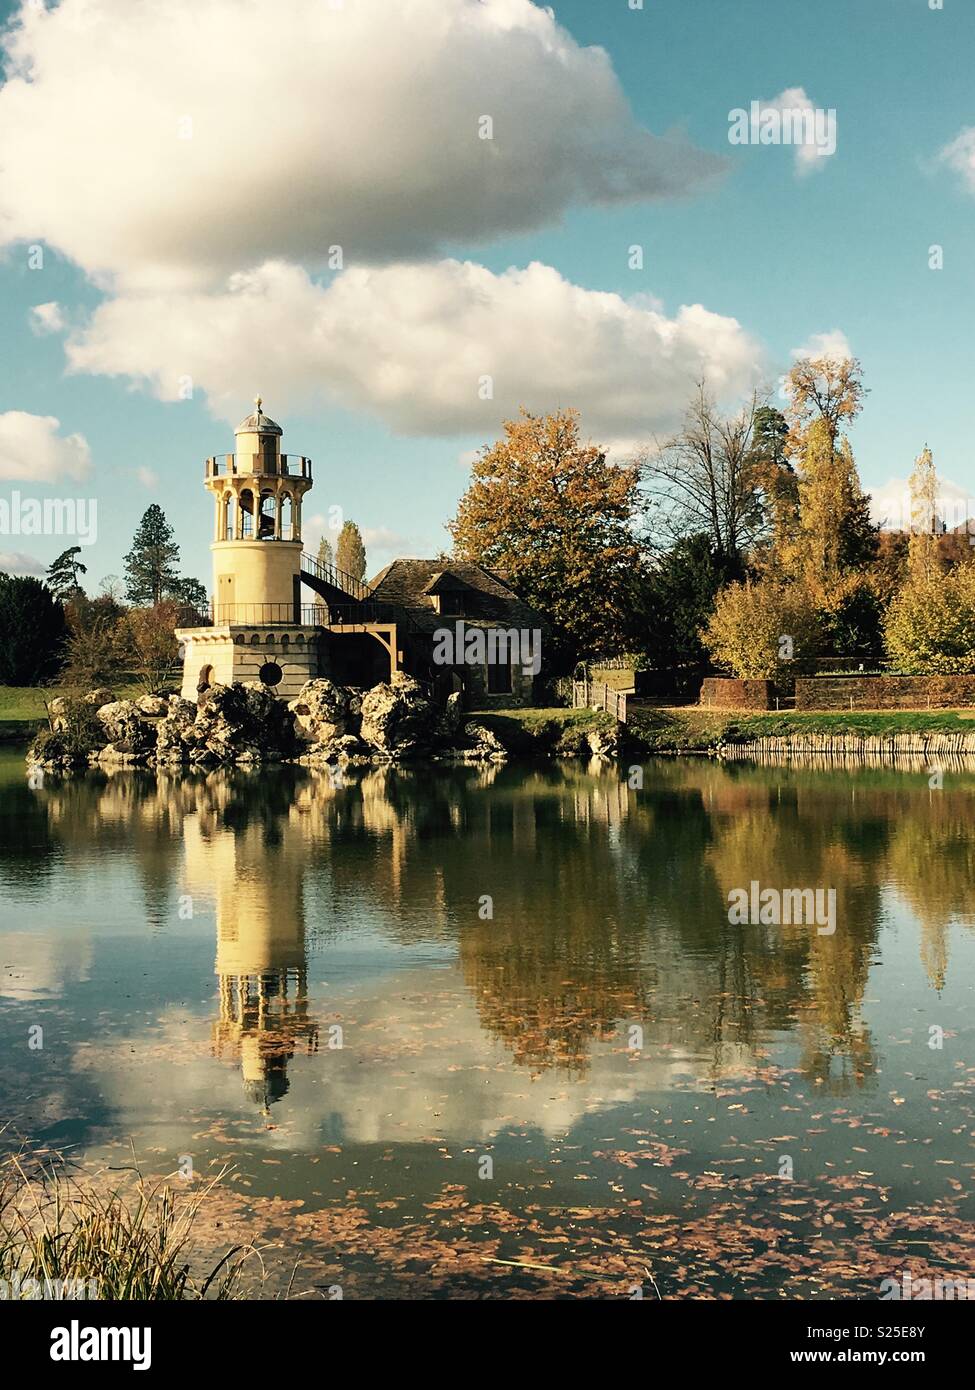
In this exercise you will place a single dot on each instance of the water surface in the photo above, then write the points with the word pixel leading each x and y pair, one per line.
pixel 448 1026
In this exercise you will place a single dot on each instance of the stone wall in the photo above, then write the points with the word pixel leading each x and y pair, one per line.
pixel 884 692
pixel 719 692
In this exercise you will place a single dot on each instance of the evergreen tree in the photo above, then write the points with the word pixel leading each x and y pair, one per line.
pixel 150 566
pixel 62 574
pixel 32 631
pixel 350 554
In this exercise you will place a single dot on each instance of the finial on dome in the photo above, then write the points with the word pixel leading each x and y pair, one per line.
pixel 258 401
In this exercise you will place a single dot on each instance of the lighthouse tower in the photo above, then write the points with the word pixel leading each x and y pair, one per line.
pixel 259 630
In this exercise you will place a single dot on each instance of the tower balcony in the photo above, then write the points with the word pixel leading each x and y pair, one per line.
pixel 259 465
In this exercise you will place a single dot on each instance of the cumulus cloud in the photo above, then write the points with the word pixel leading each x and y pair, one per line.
pixel 431 349
pixel 833 344
pixel 890 505
pixel 47 318
pixel 159 142
pixel 789 119
pixel 959 155
pixel 16 562
pixel 31 449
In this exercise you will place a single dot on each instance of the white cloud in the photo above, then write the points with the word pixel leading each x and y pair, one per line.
pixel 791 118
pixel 16 562
pixel 414 345
pixel 160 141
pixel 147 477
pixel 32 449
pixel 46 318
pixel 959 155
pixel 833 344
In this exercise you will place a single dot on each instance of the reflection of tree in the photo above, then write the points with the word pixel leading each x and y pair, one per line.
pixel 609 905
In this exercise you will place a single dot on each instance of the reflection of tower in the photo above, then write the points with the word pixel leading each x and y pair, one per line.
pixel 261 960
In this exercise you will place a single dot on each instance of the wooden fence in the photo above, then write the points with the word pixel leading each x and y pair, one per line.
pixel 599 695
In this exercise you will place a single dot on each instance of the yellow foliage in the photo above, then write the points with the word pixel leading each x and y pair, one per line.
pixel 757 627
pixel 930 624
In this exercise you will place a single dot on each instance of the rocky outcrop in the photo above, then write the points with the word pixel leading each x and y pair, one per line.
pixel 232 724
pixel 603 743
pixel 481 744
pixel 397 718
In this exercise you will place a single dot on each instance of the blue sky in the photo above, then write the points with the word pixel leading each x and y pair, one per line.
pixel 843 249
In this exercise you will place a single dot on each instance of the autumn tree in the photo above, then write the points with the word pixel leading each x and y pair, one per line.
pixel 830 389
pixel 325 556
pixel 758 627
pixel 923 549
pixel 350 552
pixel 930 624
pixel 706 478
pixel 555 517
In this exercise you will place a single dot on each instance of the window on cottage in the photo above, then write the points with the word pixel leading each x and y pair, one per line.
pixel 499 679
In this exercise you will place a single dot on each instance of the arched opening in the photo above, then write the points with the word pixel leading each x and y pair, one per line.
pixel 206 679
pixel 269 509
pixel 247 514
pixel 287 517
pixel 229 516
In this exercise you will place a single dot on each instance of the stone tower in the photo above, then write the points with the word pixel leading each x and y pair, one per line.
pixel 259 630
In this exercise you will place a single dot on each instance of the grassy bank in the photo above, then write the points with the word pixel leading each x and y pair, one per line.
pixel 691 729
pixel 542 731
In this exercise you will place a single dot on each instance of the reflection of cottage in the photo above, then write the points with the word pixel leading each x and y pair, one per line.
pixel 457 598
pixel 262 627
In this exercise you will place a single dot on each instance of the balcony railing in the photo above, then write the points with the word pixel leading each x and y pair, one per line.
pixel 263 465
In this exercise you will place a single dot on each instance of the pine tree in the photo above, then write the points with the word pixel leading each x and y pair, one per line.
pixel 62 574
pixel 350 554
pixel 150 566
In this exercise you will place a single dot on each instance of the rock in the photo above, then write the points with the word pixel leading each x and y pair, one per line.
pixel 482 744
pixel 153 706
pixel 323 711
pixel 101 695
pixel 603 743
pixel 398 718
pixel 127 730
pixel 240 722
pixel 452 716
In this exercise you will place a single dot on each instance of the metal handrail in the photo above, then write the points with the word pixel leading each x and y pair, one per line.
pixel 234 465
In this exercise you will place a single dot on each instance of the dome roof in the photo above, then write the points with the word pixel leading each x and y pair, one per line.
pixel 258 422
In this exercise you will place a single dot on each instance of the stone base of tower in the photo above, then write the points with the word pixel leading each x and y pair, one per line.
pixel 236 652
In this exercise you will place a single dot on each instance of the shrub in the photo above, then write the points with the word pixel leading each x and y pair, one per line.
pixel 746 630
pixel 930 624
pixel 32 631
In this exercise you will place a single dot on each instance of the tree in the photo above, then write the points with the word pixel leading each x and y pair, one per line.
pixel 32 631
pixel 350 553
pixel 555 518
pixel 679 598
pixel 62 574
pixel 147 636
pixel 150 566
pixel 930 624
pixel 705 478
pixel 96 654
pixel 758 626
pixel 923 549
pixel 835 538
pixel 187 593
pixel 325 556
pixel 830 389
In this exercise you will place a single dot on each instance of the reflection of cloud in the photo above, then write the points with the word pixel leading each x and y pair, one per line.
pixel 415 1063
pixel 33 966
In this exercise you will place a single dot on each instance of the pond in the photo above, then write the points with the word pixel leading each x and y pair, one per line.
pixel 490 1033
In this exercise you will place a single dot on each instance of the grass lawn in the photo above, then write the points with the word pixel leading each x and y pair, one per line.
pixel 689 728
pixel 539 730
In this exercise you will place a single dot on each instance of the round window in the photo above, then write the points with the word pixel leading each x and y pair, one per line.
pixel 271 673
